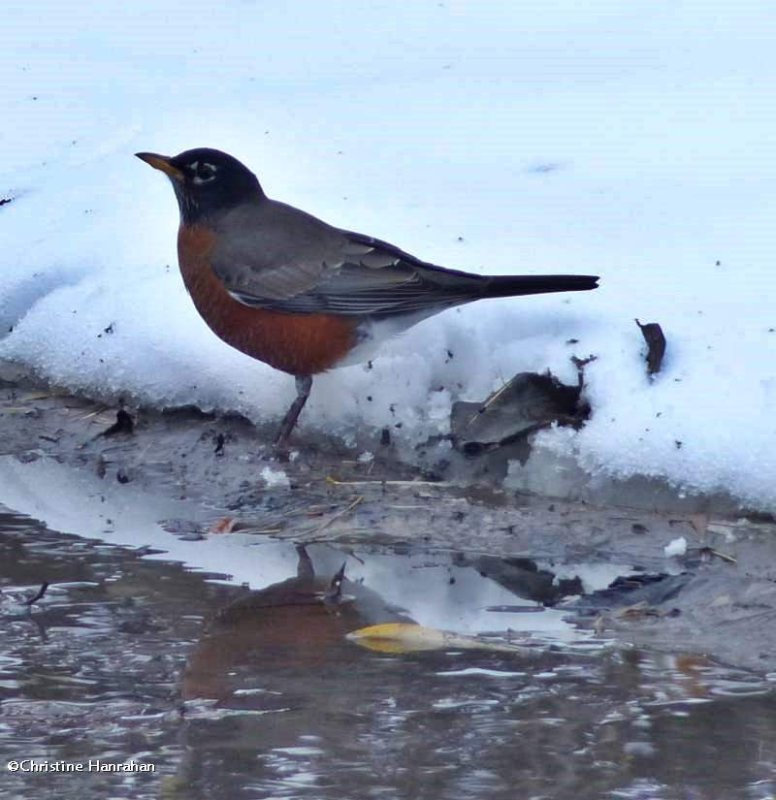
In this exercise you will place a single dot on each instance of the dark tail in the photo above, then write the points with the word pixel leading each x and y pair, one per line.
pixel 511 285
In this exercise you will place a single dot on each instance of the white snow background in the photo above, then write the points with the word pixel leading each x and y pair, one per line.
pixel 631 140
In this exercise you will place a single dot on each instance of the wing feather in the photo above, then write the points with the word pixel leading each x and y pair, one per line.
pixel 279 258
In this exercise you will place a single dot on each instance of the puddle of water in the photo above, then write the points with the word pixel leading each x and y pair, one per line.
pixel 257 693
pixel 437 590
pixel 277 703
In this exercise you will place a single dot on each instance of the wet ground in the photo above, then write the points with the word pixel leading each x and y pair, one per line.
pixel 192 622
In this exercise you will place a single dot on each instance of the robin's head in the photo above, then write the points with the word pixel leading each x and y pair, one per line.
pixel 206 181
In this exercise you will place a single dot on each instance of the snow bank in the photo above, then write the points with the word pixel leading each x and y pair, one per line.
pixel 634 141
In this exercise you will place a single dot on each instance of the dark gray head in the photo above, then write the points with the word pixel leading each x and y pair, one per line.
pixel 206 181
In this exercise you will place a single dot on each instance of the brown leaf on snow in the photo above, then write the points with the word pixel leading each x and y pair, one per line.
pixel 656 345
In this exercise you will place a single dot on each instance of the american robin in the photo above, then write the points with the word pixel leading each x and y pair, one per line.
pixel 297 293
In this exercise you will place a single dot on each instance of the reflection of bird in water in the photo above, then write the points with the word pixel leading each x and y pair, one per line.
pixel 297 625
pixel 303 590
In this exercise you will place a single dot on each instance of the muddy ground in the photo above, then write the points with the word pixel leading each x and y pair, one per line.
pixel 719 598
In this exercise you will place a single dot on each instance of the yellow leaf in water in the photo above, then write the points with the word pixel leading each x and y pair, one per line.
pixel 398 637
pixel 407 637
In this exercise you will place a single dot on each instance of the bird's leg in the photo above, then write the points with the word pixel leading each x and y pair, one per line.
pixel 304 567
pixel 303 386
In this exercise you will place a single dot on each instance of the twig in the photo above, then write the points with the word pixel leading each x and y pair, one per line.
pixel 339 514
pixel 268 531
pixel 37 596
pixel 488 402
pixel 335 482
pixel 712 552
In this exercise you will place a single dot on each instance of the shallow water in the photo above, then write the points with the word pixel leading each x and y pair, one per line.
pixel 232 693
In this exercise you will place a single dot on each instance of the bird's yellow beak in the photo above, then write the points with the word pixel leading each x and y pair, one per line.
pixel 162 163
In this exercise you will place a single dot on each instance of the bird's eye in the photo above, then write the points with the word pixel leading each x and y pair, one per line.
pixel 203 172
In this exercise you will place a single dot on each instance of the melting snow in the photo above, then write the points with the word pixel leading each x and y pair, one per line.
pixel 633 141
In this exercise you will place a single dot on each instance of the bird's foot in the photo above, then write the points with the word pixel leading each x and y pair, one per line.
pixel 280 451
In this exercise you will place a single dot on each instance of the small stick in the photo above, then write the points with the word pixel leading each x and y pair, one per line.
pixel 336 482
pixel 488 402
pixel 37 596
pixel 339 514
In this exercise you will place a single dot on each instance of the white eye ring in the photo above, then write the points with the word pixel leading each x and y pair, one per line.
pixel 203 172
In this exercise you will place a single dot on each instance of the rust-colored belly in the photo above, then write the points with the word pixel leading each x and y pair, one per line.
pixel 300 344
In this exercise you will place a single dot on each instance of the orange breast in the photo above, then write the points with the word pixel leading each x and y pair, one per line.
pixel 300 344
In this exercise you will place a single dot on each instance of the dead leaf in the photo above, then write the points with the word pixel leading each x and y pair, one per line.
pixel 406 637
pixel 656 345
pixel 223 525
